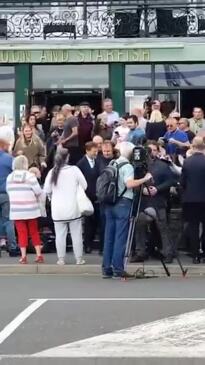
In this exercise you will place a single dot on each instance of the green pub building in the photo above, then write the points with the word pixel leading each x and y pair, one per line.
pixel 56 52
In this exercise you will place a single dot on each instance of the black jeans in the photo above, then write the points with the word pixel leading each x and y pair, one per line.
pixel 91 225
pixel 161 223
pixel 195 235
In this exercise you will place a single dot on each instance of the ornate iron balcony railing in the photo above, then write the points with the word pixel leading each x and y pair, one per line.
pixel 67 3
pixel 41 19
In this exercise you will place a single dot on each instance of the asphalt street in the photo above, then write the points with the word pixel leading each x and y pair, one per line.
pixel 79 308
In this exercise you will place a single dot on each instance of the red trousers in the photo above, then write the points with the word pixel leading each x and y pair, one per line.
pixel 25 229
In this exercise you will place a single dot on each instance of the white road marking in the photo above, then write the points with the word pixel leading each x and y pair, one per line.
pixel 181 336
pixel 122 299
pixel 13 325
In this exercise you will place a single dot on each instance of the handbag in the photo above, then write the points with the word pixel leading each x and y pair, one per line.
pixel 84 204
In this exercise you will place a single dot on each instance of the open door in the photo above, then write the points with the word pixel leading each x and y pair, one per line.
pixel 74 98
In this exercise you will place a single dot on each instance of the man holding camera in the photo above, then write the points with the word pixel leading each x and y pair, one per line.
pixel 118 214
pixel 154 205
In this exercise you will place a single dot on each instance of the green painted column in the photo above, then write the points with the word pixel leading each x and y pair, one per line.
pixel 22 72
pixel 117 86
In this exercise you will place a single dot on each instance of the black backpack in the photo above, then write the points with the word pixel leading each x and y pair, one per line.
pixel 107 184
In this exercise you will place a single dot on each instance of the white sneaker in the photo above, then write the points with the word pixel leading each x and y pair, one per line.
pixel 80 261
pixel 61 262
pixel 2 242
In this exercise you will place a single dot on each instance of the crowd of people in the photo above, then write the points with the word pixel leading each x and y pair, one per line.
pixel 45 160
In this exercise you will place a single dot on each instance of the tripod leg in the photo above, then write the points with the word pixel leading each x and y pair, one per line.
pixel 129 242
pixel 184 271
pixel 161 258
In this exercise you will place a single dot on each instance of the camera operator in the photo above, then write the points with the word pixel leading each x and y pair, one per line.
pixel 153 206
pixel 118 214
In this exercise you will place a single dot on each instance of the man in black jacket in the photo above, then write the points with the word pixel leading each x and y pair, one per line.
pixel 193 195
pixel 154 205
pixel 89 168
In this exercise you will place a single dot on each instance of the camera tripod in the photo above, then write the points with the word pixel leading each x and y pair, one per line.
pixel 134 216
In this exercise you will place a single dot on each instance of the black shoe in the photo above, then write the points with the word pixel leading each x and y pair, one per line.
pixel 107 276
pixel 14 253
pixel 168 259
pixel 88 250
pixel 196 260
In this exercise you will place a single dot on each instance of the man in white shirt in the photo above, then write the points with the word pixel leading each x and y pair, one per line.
pixel 111 115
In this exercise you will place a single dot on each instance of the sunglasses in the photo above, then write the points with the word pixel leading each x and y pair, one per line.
pixel 170 126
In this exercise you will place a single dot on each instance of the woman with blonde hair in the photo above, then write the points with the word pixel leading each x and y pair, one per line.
pixel 156 127
pixel 156 116
pixel 30 145
pixel 24 192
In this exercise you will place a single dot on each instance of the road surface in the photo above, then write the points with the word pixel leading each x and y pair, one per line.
pixel 87 320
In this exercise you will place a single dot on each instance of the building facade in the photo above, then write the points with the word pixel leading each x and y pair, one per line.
pixel 53 53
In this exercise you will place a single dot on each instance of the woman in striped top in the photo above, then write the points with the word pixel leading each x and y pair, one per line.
pixel 24 192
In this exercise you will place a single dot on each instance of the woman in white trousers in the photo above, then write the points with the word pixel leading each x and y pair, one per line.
pixel 61 185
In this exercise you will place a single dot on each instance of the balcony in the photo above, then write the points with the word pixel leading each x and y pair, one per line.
pixel 100 19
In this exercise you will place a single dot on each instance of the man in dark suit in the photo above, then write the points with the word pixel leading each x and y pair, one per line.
pixel 153 207
pixel 89 168
pixel 193 196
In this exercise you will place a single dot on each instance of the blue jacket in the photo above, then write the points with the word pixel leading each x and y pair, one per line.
pixel 135 135
pixel 180 136
pixel 5 169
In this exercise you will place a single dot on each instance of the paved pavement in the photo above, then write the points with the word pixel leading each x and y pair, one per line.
pixel 10 265
pixel 69 309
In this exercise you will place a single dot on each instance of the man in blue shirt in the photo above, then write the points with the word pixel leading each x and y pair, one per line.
pixel 6 225
pixel 117 216
pixel 136 134
pixel 177 139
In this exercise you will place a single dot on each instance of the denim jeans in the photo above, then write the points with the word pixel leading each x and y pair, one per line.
pixel 7 226
pixel 116 232
pixel 102 227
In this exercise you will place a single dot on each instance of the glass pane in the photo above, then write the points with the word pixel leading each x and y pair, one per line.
pixel 70 77
pixel 179 75
pixel 7 77
pixel 138 76
pixel 135 99
pixel 7 108
pixel 170 101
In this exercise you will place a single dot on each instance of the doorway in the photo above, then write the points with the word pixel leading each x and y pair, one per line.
pixel 190 99
pixel 51 98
